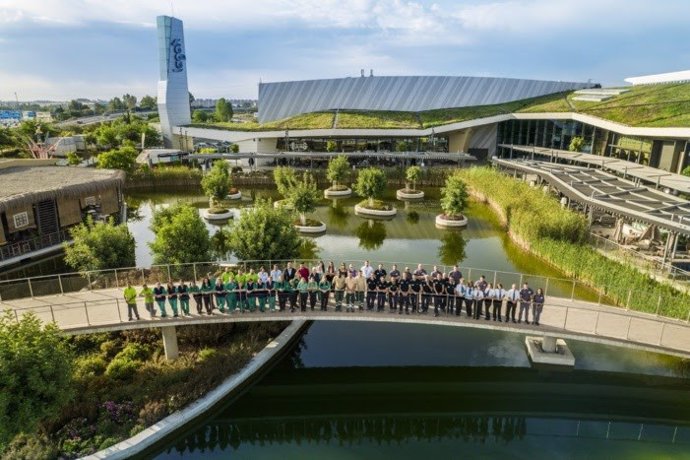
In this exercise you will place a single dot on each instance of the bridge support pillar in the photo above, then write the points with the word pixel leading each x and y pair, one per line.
pixel 548 350
pixel 548 344
pixel 170 342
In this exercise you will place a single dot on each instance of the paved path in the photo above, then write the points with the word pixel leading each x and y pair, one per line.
pixel 105 310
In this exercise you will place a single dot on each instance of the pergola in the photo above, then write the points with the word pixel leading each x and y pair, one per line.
pixel 598 190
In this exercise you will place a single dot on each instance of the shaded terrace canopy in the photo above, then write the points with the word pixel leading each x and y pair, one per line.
pixel 610 193
pixel 658 177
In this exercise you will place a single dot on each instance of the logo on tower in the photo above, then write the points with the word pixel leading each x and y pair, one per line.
pixel 177 56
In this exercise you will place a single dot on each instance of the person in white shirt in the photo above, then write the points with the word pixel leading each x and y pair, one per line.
pixel 488 300
pixel 499 295
pixel 469 298
pixel 459 296
pixel 478 302
pixel 276 273
pixel 367 269
pixel 512 297
pixel 263 275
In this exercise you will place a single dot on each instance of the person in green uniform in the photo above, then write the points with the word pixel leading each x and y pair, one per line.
pixel 220 295
pixel 147 293
pixel 195 291
pixel 313 289
pixel 231 294
pixel 303 288
pixel 172 298
pixel 271 288
pixel 324 292
pixel 261 294
pixel 159 294
pixel 131 299
pixel 183 292
pixel 242 294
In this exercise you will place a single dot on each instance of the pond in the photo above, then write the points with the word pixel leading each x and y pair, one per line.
pixel 371 390
pixel 409 238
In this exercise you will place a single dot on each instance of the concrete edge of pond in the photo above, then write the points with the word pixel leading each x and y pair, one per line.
pixel 173 422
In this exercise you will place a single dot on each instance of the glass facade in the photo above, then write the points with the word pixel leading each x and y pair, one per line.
pixel 364 144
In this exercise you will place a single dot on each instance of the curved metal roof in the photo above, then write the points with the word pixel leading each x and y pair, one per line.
pixel 406 94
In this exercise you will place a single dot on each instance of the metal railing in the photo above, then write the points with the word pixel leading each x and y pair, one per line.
pixel 583 320
pixel 26 247
pixel 118 278
pixel 638 258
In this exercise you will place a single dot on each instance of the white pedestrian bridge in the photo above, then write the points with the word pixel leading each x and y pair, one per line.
pixel 93 302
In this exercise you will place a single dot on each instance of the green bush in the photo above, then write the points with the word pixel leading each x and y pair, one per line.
pixel 122 368
pixel 29 447
pixel 90 366
pixel 560 237
pixel 134 352
pixel 206 353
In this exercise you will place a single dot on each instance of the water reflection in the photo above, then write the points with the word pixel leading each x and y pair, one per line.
pixel 338 215
pixel 371 234
pixel 452 248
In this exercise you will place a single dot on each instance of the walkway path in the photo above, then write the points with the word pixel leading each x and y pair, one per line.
pixel 104 310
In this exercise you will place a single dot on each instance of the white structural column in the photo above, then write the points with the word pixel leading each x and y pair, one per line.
pixel 170 342
pixel 173 92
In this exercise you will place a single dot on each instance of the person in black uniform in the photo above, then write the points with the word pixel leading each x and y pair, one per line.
pixel 393 293
pixel 381 290
pixel 379 272
pixel 450 294
pixel 415 289
pixel 405 295
pixel 439 286
pixel 395 273
pixel 427 294
pixel 371 292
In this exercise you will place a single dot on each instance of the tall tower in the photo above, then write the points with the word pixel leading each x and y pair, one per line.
pixel 173 92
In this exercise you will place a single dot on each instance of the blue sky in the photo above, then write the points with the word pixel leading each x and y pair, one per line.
pixel 61 49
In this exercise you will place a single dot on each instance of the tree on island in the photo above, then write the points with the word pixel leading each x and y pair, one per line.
pixel 181 236
pixel 371 183
pixel 285 179
pixel 223 110
pixel 304 196
pixel 338 169
pixel 100 246
pixel 263 232
pixel 216 184
pixel 36 377
pixel 454 197
pixel 412 174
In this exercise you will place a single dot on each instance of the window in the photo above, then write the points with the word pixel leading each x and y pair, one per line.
pixel 21 219
pixel 90 201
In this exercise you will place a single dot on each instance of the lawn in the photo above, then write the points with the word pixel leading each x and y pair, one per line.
pixel 378 119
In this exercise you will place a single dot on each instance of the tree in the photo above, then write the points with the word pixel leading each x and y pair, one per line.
pixel 148 103
pixel 338 168
pixel 223 110
pixel 576 144
pixel 36 377
pixel 181 236
pixel 454 196
pixel 100 246
pixel 304 196
pixel 412 174
pixel 200 116
pixel 371 182
pixel 264 232
pixel 217 182
pixel 285 179
pixel 129 101
pixel 116 104
pixel 234 148
pixel 331 146
pixel 401 146
pixel 123 158
pixel 73 159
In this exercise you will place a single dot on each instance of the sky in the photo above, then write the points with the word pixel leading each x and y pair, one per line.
pixel 64 49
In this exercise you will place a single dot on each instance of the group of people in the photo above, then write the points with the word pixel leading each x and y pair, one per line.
pixel 365 288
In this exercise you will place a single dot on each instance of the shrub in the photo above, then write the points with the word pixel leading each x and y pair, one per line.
pixel 152 412
pixel 122 368
pixel 90 366
pixel 206 353
pixel 29 447
pixel 134 352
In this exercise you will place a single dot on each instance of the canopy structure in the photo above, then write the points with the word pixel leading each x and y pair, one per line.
pixel 653 176
pixel 609 193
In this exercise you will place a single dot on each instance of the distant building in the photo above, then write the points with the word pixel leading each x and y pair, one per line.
pixel 39 202
pixel 153 157
pixel 66 144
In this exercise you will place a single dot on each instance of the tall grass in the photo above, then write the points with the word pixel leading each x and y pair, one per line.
pixel 559 236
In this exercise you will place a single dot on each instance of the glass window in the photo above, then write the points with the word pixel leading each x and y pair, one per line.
pixel 21 219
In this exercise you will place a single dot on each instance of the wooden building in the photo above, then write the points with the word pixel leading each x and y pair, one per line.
pixel 39 202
